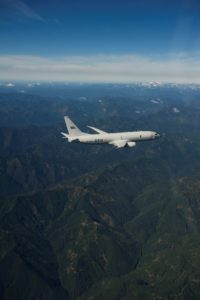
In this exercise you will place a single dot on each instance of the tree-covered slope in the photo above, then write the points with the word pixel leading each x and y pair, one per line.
pixel 107 234
pixel 87 222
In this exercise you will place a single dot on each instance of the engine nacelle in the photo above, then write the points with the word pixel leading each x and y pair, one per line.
pixel 131 144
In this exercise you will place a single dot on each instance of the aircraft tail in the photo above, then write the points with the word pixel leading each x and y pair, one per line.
pixel 68 137
pixel 73 130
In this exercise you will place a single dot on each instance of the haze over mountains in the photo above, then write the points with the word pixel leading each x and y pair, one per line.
pixel 93 222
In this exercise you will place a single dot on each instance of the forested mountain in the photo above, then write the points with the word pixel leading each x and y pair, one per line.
pixel 92 222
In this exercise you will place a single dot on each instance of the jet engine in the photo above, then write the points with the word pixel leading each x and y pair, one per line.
pixel 131 144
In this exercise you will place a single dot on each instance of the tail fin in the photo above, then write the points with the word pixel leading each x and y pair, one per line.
pixel 73 130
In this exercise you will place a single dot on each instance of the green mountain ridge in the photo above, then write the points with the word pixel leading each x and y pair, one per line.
pixel 77 237
pixel 83 222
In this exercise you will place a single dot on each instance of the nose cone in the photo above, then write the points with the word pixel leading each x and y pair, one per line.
pixel 157 135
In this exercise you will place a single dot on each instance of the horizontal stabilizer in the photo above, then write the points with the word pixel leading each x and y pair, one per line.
pixel 69 137
pixel 65 135
pixel 96 129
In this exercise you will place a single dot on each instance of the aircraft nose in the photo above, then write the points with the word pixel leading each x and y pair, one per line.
pixel 157 135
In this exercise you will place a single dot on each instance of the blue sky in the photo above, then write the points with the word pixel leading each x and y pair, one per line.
pixel 93 40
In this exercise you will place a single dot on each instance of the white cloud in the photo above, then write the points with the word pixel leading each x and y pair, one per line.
pixel 26 10
pixel 101 68
pixel 30 84
pixel 20 9
pixel 176 110
pixel 10 84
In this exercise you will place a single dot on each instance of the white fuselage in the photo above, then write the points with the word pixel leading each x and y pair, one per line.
pixel 132 136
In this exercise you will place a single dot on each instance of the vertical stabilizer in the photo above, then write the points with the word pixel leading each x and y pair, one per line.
pixel 73 130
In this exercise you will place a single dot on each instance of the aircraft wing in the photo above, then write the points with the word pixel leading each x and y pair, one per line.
pixel 119 143
pixel 97 130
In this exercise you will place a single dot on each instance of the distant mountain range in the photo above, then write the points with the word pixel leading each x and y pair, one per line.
pixel 90 222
